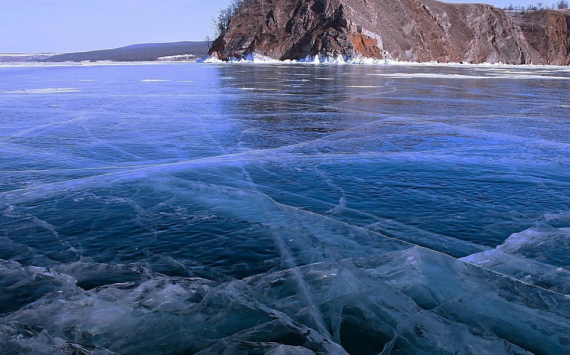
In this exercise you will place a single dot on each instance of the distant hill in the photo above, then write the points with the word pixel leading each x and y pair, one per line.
pixel 23 57
pixel 136 53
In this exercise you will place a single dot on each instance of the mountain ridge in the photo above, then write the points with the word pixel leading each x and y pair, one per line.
pixel 135 52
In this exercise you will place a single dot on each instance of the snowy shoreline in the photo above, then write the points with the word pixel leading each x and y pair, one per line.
pixel 309 60
pixel 255 58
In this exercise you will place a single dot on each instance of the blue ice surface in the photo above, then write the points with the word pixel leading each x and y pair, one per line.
pixel 284 209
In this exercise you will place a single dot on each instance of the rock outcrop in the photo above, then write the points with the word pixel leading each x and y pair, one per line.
pixel 548 33
pixel 406 30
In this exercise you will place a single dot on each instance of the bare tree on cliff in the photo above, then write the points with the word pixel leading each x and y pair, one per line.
pixel 222 23
pixel 561 4
pixel 236 5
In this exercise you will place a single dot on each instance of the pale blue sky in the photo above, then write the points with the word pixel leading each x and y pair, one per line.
pixel 32 26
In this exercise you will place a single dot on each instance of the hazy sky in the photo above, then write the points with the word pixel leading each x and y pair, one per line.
pixel 31 26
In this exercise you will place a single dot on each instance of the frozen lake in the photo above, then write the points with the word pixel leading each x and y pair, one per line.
pixel 284 209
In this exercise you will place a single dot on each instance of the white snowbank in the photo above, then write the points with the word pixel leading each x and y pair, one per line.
pixel 321 59
pixel 179 57
pixel 250 58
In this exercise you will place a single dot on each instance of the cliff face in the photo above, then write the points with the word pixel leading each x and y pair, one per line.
pixel 548 33
pixel 409 30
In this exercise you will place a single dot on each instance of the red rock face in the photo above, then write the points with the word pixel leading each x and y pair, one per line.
pixel 408 30
pixel 548 33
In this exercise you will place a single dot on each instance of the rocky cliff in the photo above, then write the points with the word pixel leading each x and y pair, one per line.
pixel 407 30
pixel 548 34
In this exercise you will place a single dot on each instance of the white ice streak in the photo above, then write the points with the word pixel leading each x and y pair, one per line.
pixel 288 152
pixel 258 89
pixel 81 64
pixel 516 76
pixel 44 91
pixel 82 116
